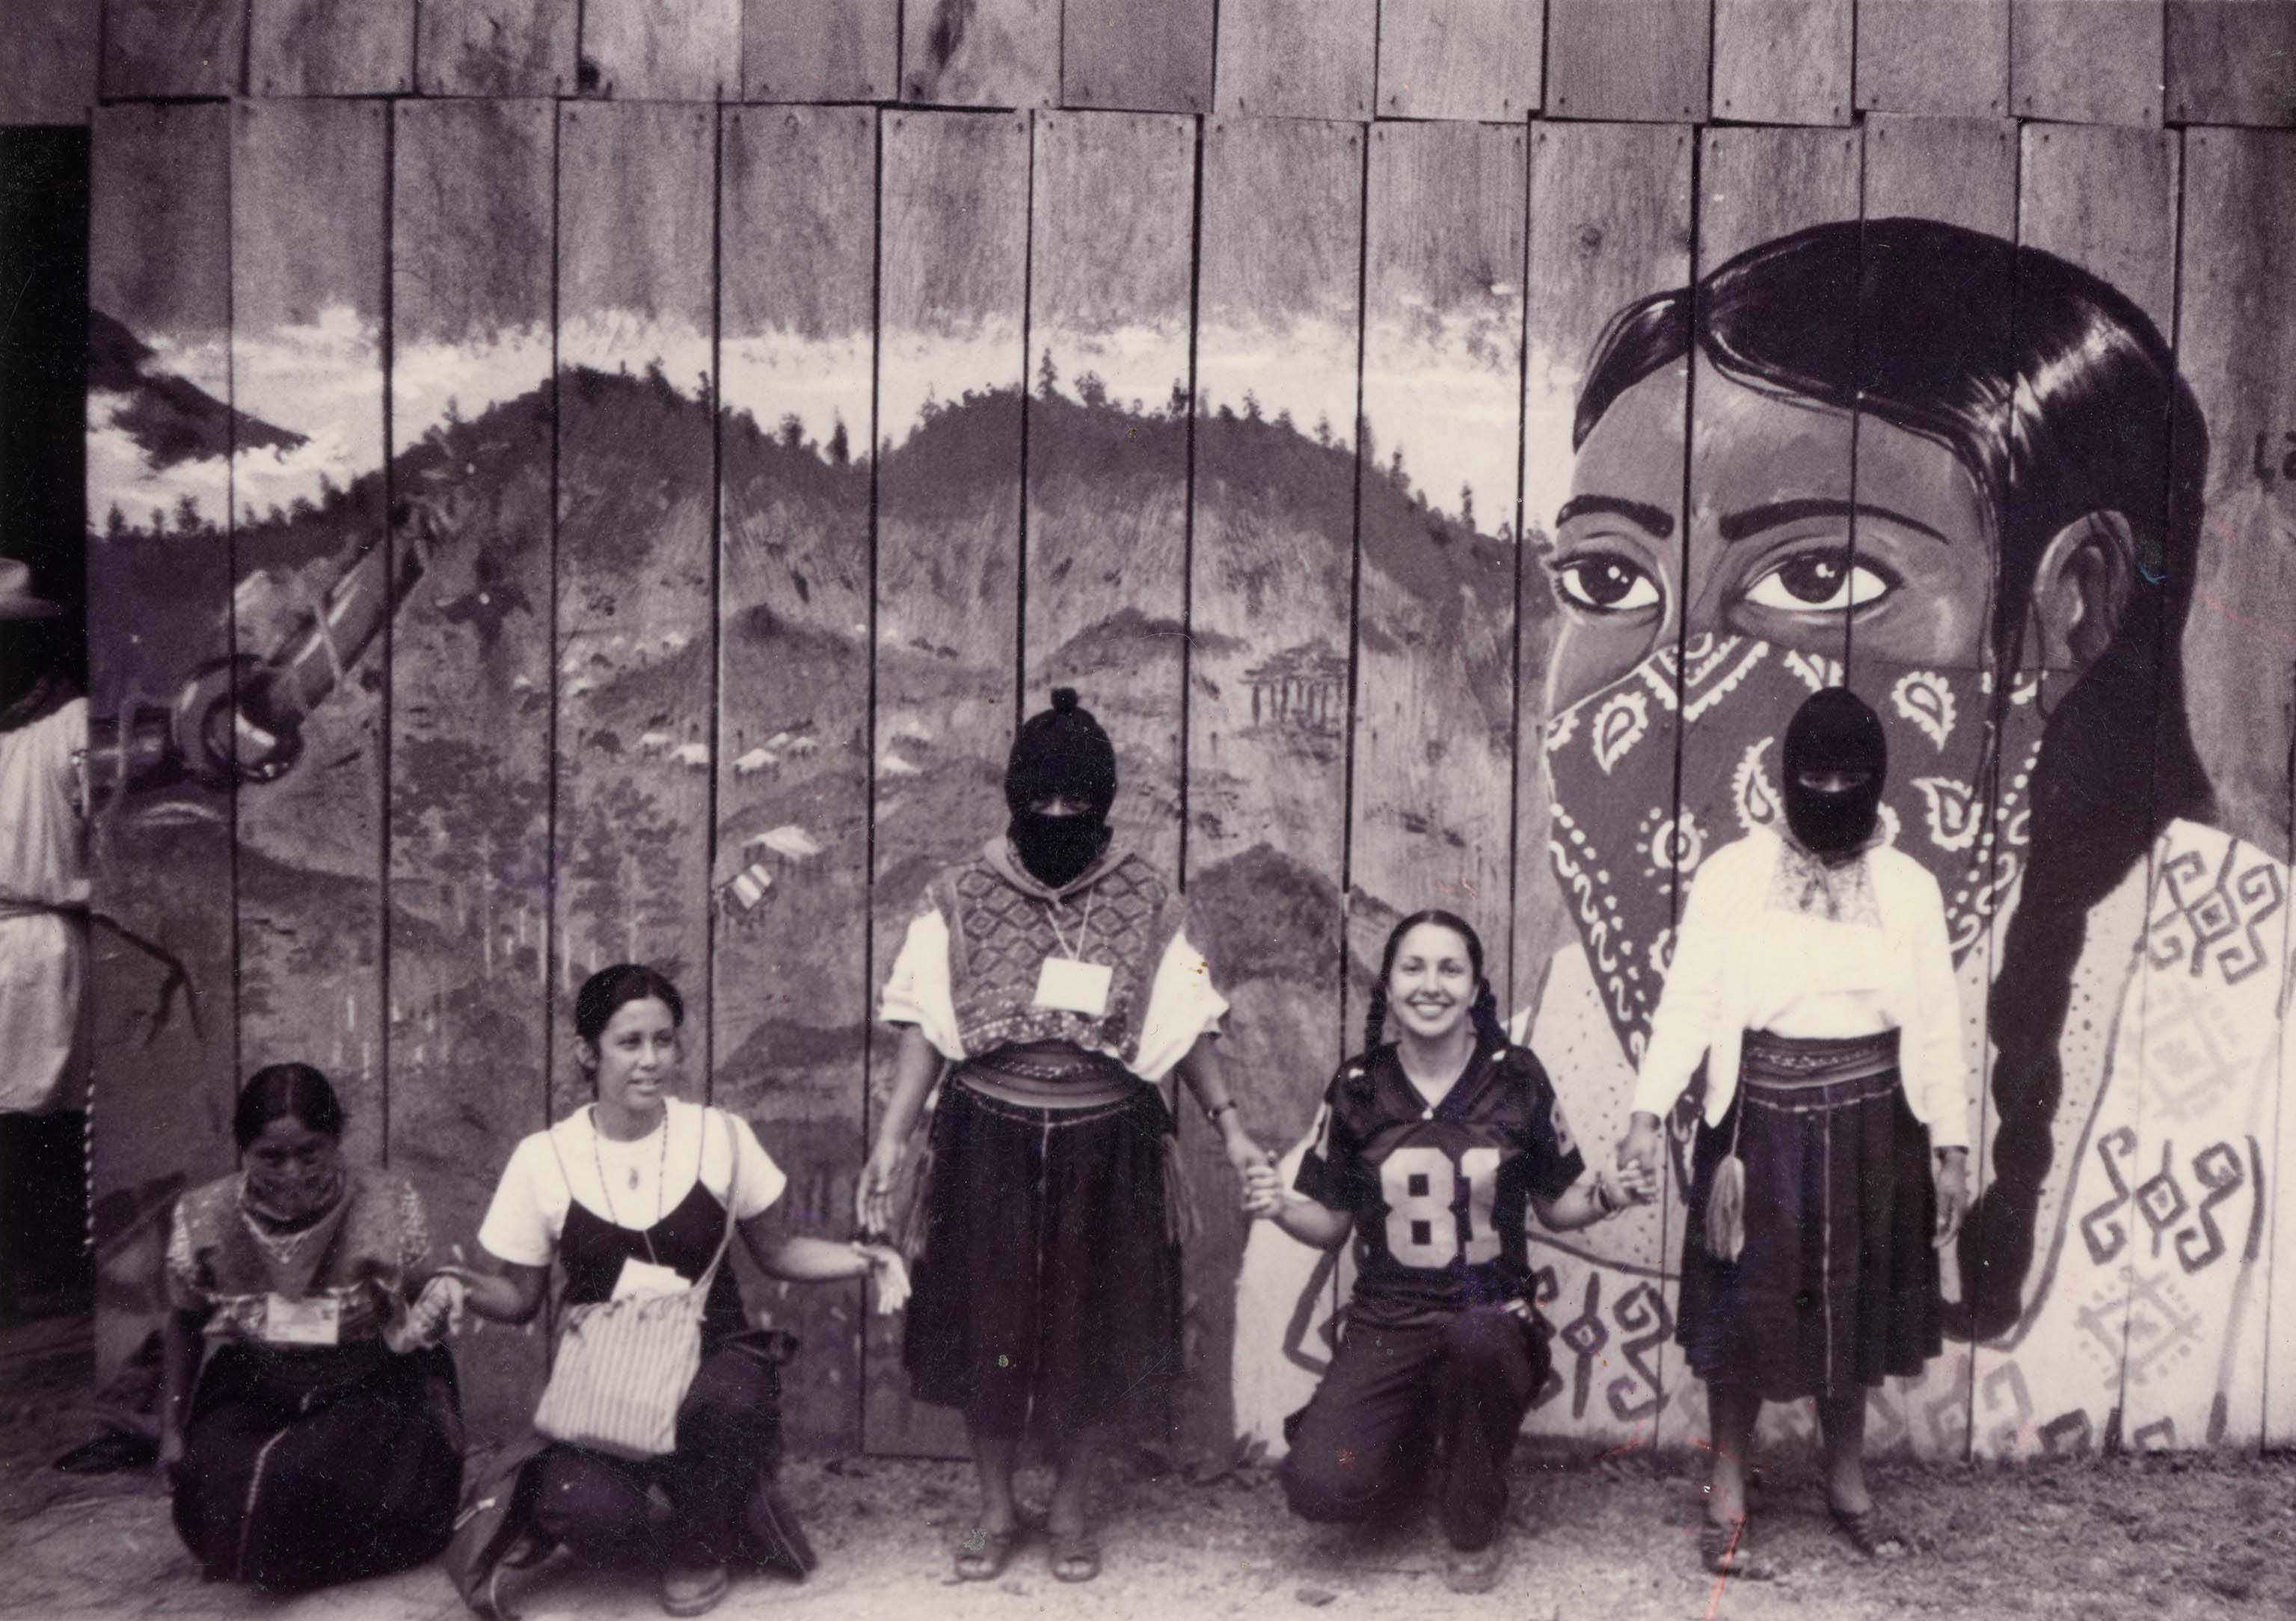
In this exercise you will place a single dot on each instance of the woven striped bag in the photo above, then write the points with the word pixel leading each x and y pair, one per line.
pixel 624 1366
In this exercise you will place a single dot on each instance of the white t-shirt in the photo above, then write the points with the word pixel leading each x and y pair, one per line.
pixel 642 1181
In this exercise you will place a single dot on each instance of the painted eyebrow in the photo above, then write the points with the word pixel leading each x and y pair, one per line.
pixel 1738 526
pixel 1656 520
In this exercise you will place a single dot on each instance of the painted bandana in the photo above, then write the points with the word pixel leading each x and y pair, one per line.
pixel 1619 842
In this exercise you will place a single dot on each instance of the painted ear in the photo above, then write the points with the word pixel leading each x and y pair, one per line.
pixel 2081 591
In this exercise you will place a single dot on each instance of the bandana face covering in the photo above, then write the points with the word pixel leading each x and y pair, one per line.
pixel 1617 844
pixel 291 1198
pixel 1057 849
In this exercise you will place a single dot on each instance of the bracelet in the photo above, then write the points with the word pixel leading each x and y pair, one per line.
pixel 1211 1116
pixel 1602 1198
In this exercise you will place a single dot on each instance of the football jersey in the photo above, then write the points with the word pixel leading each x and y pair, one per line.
pixel 1439 1194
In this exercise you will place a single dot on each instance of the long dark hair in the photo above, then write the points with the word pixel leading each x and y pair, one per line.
pixel 1483 1012
pixel 286 1092
pixel 2060 398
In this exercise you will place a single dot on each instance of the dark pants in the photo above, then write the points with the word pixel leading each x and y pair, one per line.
pixel 728 1433
pixel 1450 1392
pixel 44 1267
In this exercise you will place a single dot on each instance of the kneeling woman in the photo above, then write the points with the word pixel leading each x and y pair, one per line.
pixel 323 1441
pixel 1431 1149
pixel 1810 967
pixel 635 1196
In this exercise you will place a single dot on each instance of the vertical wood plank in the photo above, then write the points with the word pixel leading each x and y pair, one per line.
pixel 1960 171
pixel 1940 58
pixel 471 401
pixel 173 47
pixel 1461 59
pixel 1610 223
pixel 1756 186
pixel 981 52
pixel 495 47
pixel 1277 350
pixel 1442 469
pixel 1297 58
pixel 2086 62
pixel 636 379
pixel 2103 200
pixel 798 303
pixel 1963 171
pixel 1782 62
pixel 821 50
pixel 1646 61
pixel 158 614
pixel 2236 345
pixel 52 78
pixel 953 268
pixel 1111 257
pixel 331 47
pixel 2231 61
pixel 641 51
pixel 1153 56
pixel 314 591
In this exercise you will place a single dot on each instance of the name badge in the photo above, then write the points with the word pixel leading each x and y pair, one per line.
pixel 315 1321
pixel 643 1281
pixel 1074 986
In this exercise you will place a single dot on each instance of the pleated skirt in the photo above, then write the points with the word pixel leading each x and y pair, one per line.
pixel 1836 1288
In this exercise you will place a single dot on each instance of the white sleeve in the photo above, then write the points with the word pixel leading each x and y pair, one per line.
pixel 529 1211
pixel 1931 1038
pixel 1183 1004
pixel 756 1183
pixel 917 992
pixel 1690 999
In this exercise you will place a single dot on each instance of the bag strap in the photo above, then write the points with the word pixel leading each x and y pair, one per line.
pixel 732 1186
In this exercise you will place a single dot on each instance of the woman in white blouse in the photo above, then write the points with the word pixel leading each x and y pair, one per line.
pixel 1812 977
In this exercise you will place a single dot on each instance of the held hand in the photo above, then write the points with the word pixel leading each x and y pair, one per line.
pixel 892 1275
pixel 1643 1150
pixel 1243 1152
pixel 1263 1189
pixel 872 1198
pixel 439 1311
pixel 1950 1170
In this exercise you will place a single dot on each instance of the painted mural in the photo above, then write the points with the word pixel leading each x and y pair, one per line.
pixel 843 431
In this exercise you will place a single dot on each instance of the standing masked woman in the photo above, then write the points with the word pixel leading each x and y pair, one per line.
pixel 1049 974
pixel 1813 978
pixel 309 1420
pixel 1433 1149
pixel 636 1197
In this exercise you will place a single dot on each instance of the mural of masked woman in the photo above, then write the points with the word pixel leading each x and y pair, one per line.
pixel 2006 580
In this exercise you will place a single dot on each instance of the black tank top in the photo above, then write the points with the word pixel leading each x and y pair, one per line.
pixel 592 1249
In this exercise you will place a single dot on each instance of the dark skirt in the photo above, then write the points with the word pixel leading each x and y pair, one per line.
pixel 1836 1285
pixel 1046 1301
pixel 304 1467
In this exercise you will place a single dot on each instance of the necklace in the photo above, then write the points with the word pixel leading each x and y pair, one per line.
pixel 281 1247
pixel 662 1174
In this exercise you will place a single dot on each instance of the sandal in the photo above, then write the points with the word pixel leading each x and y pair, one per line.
pixel 693 1592
pixel 1723 1551
pixel 983 1554
pixel 1473 1570
pixel 1075 1559
pixel 1868 1532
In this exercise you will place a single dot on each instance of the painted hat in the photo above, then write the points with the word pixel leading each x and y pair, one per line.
pixel 16 599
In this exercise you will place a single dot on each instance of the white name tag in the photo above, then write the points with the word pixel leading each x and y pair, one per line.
pixel 317 1320
pixel 643 1281
pixel 1074 986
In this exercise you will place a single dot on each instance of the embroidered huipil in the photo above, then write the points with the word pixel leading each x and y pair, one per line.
pixel 968 971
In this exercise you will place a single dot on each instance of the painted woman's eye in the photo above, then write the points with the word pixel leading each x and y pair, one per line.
pixel 1603 582
pixel 1820 582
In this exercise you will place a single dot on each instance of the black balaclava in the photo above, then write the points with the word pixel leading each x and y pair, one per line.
pixel 1834 732
pixel 1063 753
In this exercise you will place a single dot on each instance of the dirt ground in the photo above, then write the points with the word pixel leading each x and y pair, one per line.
pixel 2152 1538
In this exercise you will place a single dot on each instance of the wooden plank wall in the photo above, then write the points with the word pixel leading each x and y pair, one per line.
pixel 703 434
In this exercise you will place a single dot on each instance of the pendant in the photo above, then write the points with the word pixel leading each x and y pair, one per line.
pixel 633 1176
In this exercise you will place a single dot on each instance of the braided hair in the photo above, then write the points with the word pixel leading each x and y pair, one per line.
pixel 1483 1012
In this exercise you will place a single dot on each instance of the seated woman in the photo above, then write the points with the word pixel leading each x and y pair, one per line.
pixel 324 1439
pixel 1813 979
pixel 632 1195
pixel 1431 1149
